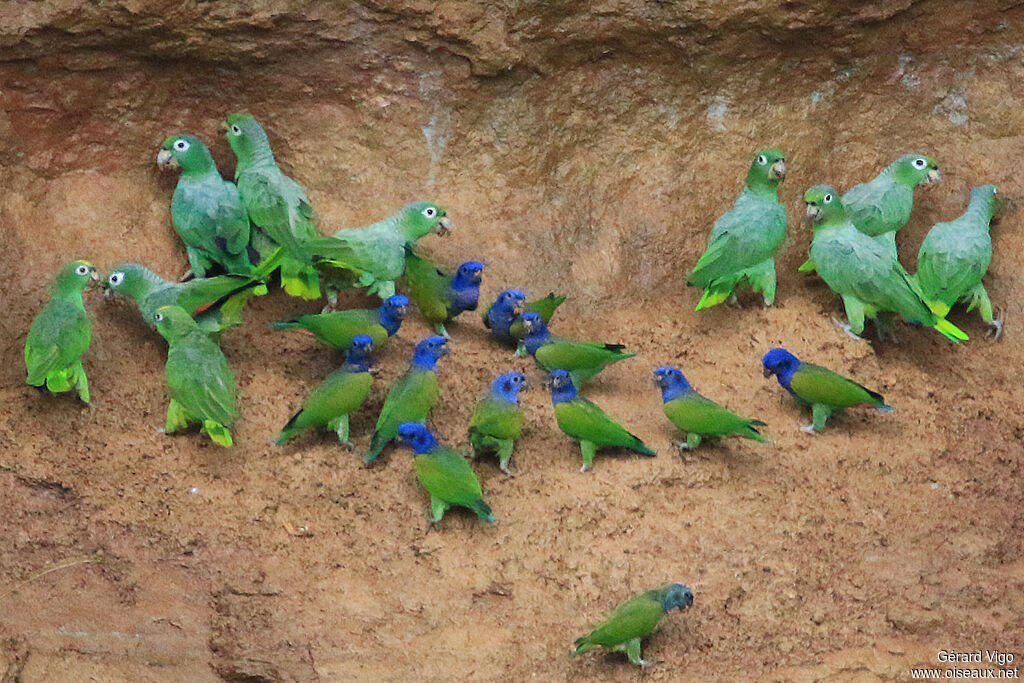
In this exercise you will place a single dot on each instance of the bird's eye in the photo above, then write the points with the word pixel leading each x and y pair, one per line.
pixel 235 130
pixel 920 163
pixel 430 212
pixel 158 317
pixel 762 159
pixel 995 190
pixel 181 145
pixel 116 278
pixel 82 270
pixel 827 199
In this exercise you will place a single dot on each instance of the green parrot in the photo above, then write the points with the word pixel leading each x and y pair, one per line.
pixel 444 473
pixel 337 397
pixel 863 271
pixel 206 210
pixel 700 417
pixel 339 328
pixel 200 383
pixel 61 333
pixel 275 203
pixel 744 240
pixel 439 294
pixel 583 360
pixel 376 253
pixel 503 319
pixel 882 206
pixel 634 620
pixel 588 424
pixel 824 391
pixel 955 256
pixel 216 302
pixel 411 396
pixel 498 419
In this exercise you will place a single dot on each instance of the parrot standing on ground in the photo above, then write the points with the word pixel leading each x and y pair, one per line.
pixel 275 203
pixel 200 383
pixel 634 620
pixel 339 328
pixel 498 419
pixel 582 360
pixel 863 271
pixel 411 396
pixel 881 207
pixel 502 317
pixel 337 397
pixel 375 254
pixel 745 238
pixel 61 334
pixel 700 417
pixel 444 473
pixel 588 424
pixel 955 256
pixel 206 210
pixel 824 391
pixel 439 294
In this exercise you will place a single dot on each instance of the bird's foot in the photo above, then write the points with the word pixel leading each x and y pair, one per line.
pixel 584 469
pixel 995 327
pixel 845 327
pixel 810 429
pixel 644 663
pixel 161 430
pixel 733 301
pixel 347 445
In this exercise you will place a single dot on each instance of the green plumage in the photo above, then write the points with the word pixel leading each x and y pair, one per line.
pixel 827 392
pixel 745 238
pixel 206 210
pixel 330 404
pixel 544 307
pixel 60 334
pixel 583 360
pixel 200 383
pixel 496 423
pixel 339 328
pixel 448 478
pixel 429 286
pixel 700 418
pixel 409 400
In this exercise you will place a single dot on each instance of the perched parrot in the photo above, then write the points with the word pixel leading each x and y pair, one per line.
pixel 439 294
pixel 697 416
pixel 586 423
pixel 955 256
pixel 444 473
pixel 882 206
pixel 502 317
pixel 61 333
pixel 216 302
pixel 375 254
pixel 825 391
pixel 206 210
pixel 337 397
pixel 200 383
pixel 274 202
pixel 634 620
pixel 411 396
pixel 744 240
pixel 863 271
pixel 498 418
pixel 583 360
pixel 339 328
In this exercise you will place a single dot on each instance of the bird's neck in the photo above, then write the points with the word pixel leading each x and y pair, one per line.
pixel 424 362
pixel 762 188
pixel 982 207
pixel 200 170
pixel 502 395
pixel 388 321
pixel 563 394
pixel 537 337
pixel 673 391
pixel 357 361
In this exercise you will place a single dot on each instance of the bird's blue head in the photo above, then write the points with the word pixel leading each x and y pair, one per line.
pixel 508 386
pixel 358 354
pixel 675 596
pixel 391 312
pixel 504 310
pixel 468 275
pixel 537 332
pixel 429 351
pixel 782 364
pixel 562 389
pixel 509 300
pixel 671 381
pixel 416 436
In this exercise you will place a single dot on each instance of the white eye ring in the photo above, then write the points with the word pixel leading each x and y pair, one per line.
pixel 762 159
pixel 158 317
pixel 116 278
pixel 995 190
pixel 430 212
pixel 82 270
pixel 827 199
pixel 920 163
pixel 235 129
pixel 181 145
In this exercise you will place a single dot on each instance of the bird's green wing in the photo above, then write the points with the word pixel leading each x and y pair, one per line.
pixel 584 421
pixel 953 258
pixel 744 236
pixel 409 400
pixel 341 393
pixel 208 214
pixel 815 384
pixel 429 287
pixel 497 418
pixel 570 355
pixel 879 206
pixel 544 307
pixel 278 205
pixel 447 475
pixel 692 412
pixel 200 379
pixel 635 618
pixel 339 328
pixel 59 335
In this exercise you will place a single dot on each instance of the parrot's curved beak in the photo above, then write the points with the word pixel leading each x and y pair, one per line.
pixel 165 160
pixel 444 226
pixel 933 176
pixel 813 211
pixel 778 170
pixel 224 126
pixel 445 350
pixel 768 372
pixel 517 310
pixel 659 381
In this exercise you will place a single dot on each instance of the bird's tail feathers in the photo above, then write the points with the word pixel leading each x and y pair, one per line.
pixel 950 331
pixel 751 432
pixel 582 645
pixel 938 308
pixel 482 509
pixel 712 298
pixel 218 433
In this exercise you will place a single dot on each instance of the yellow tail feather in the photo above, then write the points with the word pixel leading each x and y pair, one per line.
pixel 218 433
pixel 711 298
pixel 807 267
pixel 950 330
pixel 938 308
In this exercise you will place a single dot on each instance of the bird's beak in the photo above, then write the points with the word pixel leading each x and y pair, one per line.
pixel 94 276
pixel 934 176
pixel 813 212
pixel 445 350
pixel 658 381
pixel 444 226
pixel 477 278
pixel 778 170
pixel 400 311
pixel 517 310
pixel 166 160
pixel 767 372
pixel 224 126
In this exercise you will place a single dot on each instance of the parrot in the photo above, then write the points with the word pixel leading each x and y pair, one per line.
pixel 411 396
pixel 216 302
pixel 585 422
pixel 502 317
pixel 497 419
pixel 745 238
pixel 376 253
pixel 337 397
pixel 825 391
pixel 634 620
pixel 200 383
pixel 882 206
pixel 339 328
pixel 955 256
pixel 61 333
pixel 700 417
pixel 206 210
pixel 439 294
pixel 863 271
pixel 444 473
pixel 275 203
pixel 583 360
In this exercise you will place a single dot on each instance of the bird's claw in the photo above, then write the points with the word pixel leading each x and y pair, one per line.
pixel 995 327
pixel 845 327
pixel 584 469
pixel 809 429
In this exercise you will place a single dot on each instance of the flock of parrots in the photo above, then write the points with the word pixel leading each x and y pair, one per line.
pixel 238 234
